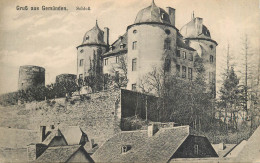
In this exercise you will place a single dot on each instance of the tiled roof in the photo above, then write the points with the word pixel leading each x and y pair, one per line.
pixel 251 150
pixel 51 136
pixel 58 154
pixel 116 46
pixel 158 148
pixel 72 134
pixel 222 153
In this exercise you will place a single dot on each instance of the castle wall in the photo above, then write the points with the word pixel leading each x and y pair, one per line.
pixel 65 77
pixel 31 76
pixel 150 48
pixel 99 117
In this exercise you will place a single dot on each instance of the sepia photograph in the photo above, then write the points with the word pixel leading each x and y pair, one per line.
pixel 101 81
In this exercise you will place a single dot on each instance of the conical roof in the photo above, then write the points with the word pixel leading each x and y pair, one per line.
pixel 94 36
pixel 152 13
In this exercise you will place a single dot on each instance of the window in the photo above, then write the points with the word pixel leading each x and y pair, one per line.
pixel 191 57
pixel 178 53
pixel 167 44
pixel 125 148
pixel 184 55
pixel 211 59
pixel 135 31
pixel 117 76
pixel 80 76
pixel 167 31
pixel 196 149
pixel 81 62
pixel 211 47
pixel 121 46
pixel 87 37
pixel 178 70
pixel 134 46
pixel 211 77
pixel 167 65
pixel 133 87
pixel 116 59
pixel 190 73
pixel 134 64
pixel 183 72
pixel 81 51
pixel 106 61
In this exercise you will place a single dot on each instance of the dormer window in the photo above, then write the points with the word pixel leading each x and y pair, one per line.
pixel 87 38
pixel 121 46
pixel 111 48
pixel 125 148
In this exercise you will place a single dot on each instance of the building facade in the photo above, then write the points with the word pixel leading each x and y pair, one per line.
pixel 152 41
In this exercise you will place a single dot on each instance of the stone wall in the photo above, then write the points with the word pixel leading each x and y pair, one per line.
pixel 99 115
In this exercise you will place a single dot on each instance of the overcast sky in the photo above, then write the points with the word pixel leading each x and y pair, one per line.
pixel 49 38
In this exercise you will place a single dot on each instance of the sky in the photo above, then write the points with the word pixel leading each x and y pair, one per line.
pixel 49 38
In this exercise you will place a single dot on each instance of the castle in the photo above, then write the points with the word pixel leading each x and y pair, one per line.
pixel 151 41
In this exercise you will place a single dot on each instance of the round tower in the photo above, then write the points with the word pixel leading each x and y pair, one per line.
pixel 198 37
pixel 89 52
pixel 151 39
pixel 31 76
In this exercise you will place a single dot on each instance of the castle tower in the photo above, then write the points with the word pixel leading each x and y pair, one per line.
pixel 198 37
pixel 31 76
pixel 89 61
pixel 151 39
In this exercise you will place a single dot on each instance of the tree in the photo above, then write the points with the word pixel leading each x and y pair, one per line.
pixel 230 97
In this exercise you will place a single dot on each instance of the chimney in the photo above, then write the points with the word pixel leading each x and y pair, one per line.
pixel 31 152
pixel 171 12
pixel 152 129
pixel 106 35
pixel 198 25
pixel 221 146
pixel 42 133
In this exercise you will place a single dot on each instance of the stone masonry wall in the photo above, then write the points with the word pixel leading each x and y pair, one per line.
pixel 99 116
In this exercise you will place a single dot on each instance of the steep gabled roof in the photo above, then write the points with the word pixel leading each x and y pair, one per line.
pixel 158 148
pixel 73 135
pixel 54 133
pixel 58 154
